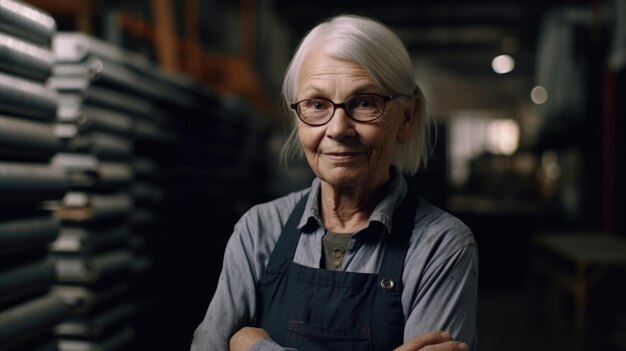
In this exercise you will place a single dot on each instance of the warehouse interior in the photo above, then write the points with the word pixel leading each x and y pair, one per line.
pixel 134 134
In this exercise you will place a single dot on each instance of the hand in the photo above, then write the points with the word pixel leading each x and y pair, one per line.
pixel 433 341
pixel 243 339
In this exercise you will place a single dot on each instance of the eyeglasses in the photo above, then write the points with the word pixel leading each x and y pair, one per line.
pixel 361 108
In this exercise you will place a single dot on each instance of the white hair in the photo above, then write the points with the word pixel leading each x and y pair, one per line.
pixel 384 57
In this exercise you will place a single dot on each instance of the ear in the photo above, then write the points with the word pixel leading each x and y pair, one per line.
pixel 404 132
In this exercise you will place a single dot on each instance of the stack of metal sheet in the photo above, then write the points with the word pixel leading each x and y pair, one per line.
pixel 153 160
pixel 106 110
pixel 119 186
pixel 29 309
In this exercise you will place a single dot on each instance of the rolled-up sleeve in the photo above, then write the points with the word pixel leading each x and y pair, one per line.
pixel 234 301
pixel 446 297
pixel 233 305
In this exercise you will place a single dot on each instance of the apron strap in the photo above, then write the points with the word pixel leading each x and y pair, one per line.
pixel 397 242
pixel 290 235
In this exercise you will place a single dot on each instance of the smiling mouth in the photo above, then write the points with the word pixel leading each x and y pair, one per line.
pixel 344 153
pixel 342 156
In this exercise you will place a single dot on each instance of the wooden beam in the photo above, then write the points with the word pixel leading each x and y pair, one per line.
pixel 136 27
pixel 165 39
pixel 192 59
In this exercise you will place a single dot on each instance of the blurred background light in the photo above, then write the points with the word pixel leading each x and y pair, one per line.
pixel 539 95
pixel 503 64
pixel 502 136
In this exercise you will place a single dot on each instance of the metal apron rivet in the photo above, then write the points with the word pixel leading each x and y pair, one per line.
pixel 387 283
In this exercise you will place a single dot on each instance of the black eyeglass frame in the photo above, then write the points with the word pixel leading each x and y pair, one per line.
pixel 386 98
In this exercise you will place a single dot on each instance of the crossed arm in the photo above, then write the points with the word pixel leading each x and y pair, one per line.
pixel 455 306
pixel 247 338
pixel 439 295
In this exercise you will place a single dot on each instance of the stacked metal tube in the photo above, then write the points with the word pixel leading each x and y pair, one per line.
pixel 119 186
pixel 157 165
pixel 29 310
pixel 106 109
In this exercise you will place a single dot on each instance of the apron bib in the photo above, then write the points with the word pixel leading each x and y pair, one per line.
pixel 317 309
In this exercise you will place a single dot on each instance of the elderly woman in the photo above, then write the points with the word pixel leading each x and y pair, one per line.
pixel 356 261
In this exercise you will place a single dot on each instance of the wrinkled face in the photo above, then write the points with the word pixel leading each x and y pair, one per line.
pixel 344 152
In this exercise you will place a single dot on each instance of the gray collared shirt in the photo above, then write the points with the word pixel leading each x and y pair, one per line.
pixel 440 276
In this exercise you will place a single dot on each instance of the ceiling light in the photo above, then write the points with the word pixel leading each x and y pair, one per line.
pixel 503 64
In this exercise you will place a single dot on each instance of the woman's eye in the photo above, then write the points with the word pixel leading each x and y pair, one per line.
pixel 316 105
pixel 364 103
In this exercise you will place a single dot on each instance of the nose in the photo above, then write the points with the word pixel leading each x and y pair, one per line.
pixel 340 125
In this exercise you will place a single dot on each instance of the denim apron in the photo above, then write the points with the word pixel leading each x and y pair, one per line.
pixel 322 310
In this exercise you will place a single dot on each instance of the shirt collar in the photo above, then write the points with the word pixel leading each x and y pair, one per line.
pixel 382 213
